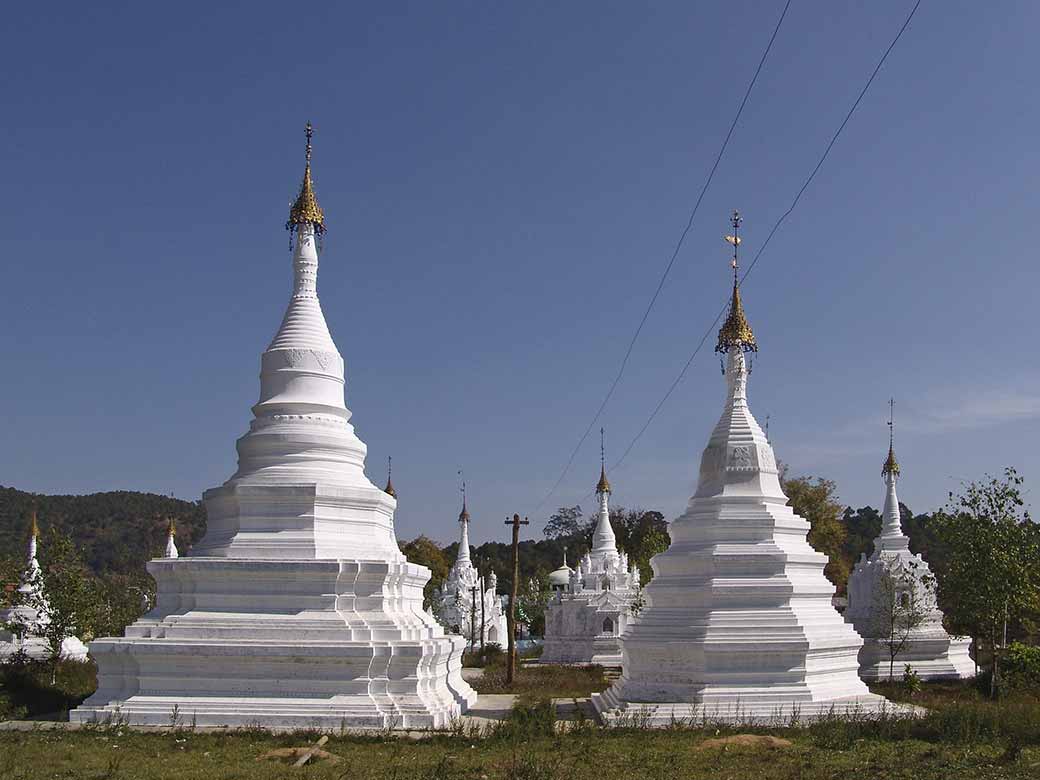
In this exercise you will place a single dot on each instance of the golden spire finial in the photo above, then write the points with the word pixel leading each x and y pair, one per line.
pixel 34 528
pixel 306 211
pixel 603 486
pixel 389 489
pixel 891 465
pixel 735 331
pixel 171 528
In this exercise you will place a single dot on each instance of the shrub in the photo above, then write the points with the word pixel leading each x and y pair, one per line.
pixel 1022 668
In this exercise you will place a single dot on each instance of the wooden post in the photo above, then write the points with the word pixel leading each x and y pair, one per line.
pixel 483 626
pixel 516 522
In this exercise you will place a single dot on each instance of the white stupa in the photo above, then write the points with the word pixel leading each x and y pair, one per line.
pixel 585 619
pixel 30 612
pixel 738 624
pixel 297 609
pixel 454 601
pixel 877 611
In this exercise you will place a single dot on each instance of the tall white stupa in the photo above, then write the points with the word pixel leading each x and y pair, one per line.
pixel 879 610
pixel 585 619
pixel 467 603
pixel 738 624
pixel 297 609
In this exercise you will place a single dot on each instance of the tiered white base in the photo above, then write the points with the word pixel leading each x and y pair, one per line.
pixel 935 656
pixel 333 644
pixel 742 708
pixel 583 630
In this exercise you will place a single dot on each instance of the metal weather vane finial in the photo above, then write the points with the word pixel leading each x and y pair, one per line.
pixel 389 489
pixel 464 514
pixel 735 331
pixel 891 465
pixel 735 221
pixel 603 486
pixel 305 210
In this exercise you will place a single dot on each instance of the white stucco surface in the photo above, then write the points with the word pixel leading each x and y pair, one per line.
pixel 296 609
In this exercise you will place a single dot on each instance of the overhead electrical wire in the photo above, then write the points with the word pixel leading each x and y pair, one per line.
pixel 671 261
pixel 772 232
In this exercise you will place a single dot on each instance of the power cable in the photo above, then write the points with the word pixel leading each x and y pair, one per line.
pixel 671 261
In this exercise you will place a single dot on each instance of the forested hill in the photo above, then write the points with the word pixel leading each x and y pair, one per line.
pixel 116 532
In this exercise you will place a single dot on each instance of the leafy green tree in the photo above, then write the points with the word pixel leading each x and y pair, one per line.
pixel 424 551
pixel 992 576
pixel 815 499
pixel 62 597
pixel 567 523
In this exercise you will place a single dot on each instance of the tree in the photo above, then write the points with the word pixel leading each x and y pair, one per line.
pixel 567 523
pixel 425 552
pixel 814 498
pixel 532 599
pixel 62 597
pixel 991 575
pixel 902 601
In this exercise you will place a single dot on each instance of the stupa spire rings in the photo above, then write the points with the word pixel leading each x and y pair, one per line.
pixel 464 514
pixel 735 332
pixel 305 210
pixel 603 486
pixel 891 465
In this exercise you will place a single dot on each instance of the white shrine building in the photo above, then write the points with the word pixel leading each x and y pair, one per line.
pixel 585 617
pixel 738 624
pixel 887 588
pixel 20 624
pixel 297 609
pixel 468 604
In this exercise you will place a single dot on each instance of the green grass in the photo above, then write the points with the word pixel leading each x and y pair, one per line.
pixel 518 755
pixel 533 682
pixel 964 736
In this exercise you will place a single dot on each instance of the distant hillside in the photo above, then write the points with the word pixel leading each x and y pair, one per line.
pixel 116 532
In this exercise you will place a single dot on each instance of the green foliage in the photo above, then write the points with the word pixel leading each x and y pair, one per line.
pixel 115 532
pixel 35 688
pixel 992 577
pixel 424 551
pixel 911 681
pixel 815 499
pixel 1022 668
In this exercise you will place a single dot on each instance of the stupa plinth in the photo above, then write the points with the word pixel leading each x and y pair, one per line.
pixel 892 604
pixel 738 624
pixel 297 609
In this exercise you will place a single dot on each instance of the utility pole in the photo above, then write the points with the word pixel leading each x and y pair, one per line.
pixel 483 599
pixel 472 616
pixel 516 522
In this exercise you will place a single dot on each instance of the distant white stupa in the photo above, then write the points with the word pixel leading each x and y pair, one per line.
pixel 468 604
pixel 591 608
pixel 31 613
pixel 889 587
pixel 297 609
pixel 738 623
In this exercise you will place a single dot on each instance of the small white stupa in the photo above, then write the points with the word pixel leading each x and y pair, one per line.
pixel 892 603
pixel 738 624
pixel 171 541
pixel 457 609
pixel 297 609
pixel 585 619
pixel 29 614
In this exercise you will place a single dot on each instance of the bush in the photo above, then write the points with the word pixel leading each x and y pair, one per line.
pixel 1021 668
pixel 26 689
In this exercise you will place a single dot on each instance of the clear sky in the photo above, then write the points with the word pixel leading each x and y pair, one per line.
pixel 503 185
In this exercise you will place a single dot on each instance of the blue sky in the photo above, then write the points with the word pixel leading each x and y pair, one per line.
pixel 503 185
